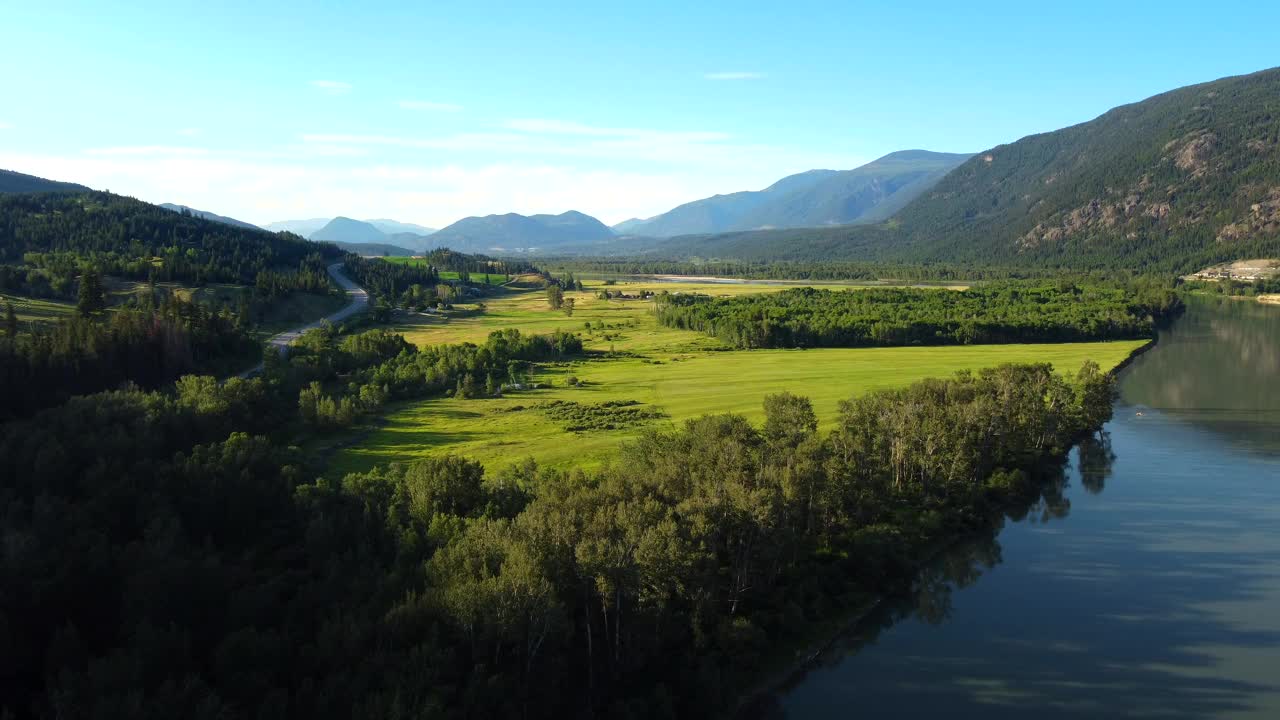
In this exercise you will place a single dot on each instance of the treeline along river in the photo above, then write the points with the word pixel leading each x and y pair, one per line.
pixel 1147 583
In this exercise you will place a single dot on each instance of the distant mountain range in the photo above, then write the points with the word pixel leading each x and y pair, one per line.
pixel 869 193
pixel 1176 182
pixel 1179 181
pixel 513 232
pixel 209 216
pixel 16 182
pixel 344 230
pixel 395 227
pixel 298 227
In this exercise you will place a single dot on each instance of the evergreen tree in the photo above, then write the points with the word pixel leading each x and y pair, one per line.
pixel 273 364
pixel 10 321
pixel 468 385
pixel 93 298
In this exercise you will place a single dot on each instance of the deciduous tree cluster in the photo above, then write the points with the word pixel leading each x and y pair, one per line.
pixel 997 313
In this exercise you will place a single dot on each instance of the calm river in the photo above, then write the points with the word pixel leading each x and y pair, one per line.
pixel 1149 587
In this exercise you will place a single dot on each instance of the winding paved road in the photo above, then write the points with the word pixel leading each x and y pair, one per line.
pixel 359 300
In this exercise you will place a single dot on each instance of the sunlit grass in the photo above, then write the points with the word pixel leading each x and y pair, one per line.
pixel 684 374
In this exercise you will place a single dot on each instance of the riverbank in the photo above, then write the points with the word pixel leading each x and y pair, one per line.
pixel 807 652
pixel 796 658
pixel 1148 345
pixel 1145 588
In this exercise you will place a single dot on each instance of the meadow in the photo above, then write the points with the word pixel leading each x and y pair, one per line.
pixel 677 373
pixel 36 310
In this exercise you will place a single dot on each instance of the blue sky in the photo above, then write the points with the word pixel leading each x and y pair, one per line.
pixel 430 111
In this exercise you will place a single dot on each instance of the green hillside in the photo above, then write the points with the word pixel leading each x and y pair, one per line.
pixel 816 198
pixel 869 193
pixel 16 182
pixel 720 213
pixel 130 238
pixel 1177 181
pixel 209 216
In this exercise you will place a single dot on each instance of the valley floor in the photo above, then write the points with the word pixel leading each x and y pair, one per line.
pixel 678 373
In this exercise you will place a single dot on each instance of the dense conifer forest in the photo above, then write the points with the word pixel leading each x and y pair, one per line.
pixel 147 344
pixel 53 235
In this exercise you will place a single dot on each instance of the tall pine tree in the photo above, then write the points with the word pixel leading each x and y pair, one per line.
pixel 10 321
pixel 93 298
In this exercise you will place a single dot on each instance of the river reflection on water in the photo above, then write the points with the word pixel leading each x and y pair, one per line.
pixel 1145 583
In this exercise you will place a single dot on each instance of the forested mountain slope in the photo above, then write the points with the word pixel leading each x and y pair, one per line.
pixel 514 231
pixel 131 238
pixel 865 194
pixel 1176 181
pixel 393 227
pixel 720 213
pixel 816 198
pixel 209 216
pixel 16 182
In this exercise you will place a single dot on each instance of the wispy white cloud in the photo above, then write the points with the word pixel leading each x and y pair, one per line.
pixel 459 142
pixel 333 87
pixel 428 105
pixel 148 150
pixel 188 132
pixel 561 127
pixel 5 126
pixel 733 75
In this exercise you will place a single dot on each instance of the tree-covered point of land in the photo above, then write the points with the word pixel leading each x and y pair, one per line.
pixel 996 313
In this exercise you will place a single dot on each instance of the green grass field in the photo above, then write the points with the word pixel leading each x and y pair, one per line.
pixel 630 322
pixel 32 311
pixel 706 382
pixel 681 373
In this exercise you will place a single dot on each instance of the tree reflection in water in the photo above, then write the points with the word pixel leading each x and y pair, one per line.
pixel 929 598
pixel 1096 459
